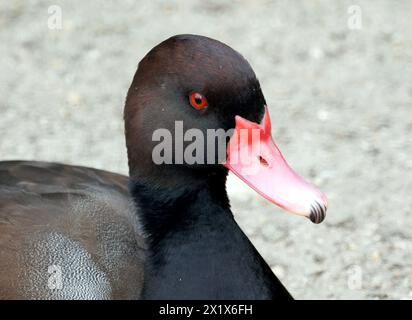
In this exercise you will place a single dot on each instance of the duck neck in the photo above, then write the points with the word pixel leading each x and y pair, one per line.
pixel 195 248
pixel 166 209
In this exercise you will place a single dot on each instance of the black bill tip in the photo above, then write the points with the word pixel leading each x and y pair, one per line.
pixel 317 213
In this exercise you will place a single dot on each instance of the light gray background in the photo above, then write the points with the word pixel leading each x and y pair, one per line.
pixel 340 101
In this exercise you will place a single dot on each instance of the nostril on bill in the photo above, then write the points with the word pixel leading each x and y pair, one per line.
pixel 263 161
pixel 317 213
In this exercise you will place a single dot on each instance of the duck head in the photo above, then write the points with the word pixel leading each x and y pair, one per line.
pixel 190 96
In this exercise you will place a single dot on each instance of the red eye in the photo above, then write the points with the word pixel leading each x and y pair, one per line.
pixel 197 101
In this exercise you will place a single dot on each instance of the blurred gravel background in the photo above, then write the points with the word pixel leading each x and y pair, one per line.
pixel 340 101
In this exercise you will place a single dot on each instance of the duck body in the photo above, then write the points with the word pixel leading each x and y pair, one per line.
pixel 83 222
pixel 71 224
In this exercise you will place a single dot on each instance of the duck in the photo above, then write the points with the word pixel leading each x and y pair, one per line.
pixel 165 231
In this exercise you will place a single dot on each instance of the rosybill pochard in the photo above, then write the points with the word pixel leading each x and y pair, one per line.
pixel 166 231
